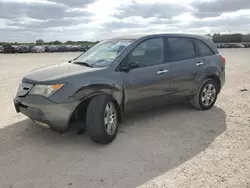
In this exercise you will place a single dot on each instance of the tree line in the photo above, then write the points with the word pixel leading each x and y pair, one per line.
pixel 217 38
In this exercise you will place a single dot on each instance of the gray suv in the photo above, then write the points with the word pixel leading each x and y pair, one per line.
pixel 121 74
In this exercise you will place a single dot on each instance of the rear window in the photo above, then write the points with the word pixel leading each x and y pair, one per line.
pixel 181 49
pixel 204 49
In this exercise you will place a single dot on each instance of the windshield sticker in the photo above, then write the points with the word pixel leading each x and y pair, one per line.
pixel 123 43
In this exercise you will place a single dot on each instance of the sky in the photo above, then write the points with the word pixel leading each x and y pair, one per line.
pixel 92 20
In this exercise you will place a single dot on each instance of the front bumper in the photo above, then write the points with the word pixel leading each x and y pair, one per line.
pixel 45 111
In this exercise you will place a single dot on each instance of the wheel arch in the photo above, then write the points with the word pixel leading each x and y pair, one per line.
pixel 203 79
pixel 84 95
pixel 216 78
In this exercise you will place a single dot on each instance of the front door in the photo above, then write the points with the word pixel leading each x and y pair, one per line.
pixel 147 84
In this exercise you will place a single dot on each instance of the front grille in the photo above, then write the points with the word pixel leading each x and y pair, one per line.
pixel 24 89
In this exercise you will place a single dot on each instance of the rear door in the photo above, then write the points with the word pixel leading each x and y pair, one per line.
pixel 186 66
pixel 147 84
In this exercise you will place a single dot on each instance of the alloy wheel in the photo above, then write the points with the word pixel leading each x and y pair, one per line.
pixel 110 118
pixel 208 95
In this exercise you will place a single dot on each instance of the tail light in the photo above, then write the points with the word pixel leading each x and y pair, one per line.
pixel 223 59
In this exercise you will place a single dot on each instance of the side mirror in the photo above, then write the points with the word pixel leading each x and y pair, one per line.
pixel 131 65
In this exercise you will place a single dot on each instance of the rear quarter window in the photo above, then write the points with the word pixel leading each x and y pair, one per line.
pixel 203 49
pixel 181 49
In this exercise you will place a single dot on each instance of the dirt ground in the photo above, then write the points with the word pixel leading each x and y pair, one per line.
pixel 172 146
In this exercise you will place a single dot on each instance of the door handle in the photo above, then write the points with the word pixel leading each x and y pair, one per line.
pixel 162 71
pixel 199 64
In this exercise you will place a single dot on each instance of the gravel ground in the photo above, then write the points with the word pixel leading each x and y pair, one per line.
pixel 172 146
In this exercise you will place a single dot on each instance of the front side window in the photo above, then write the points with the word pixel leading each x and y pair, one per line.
pixel 181 49
pixel 203 48
pixel 103 54
pixel 149 52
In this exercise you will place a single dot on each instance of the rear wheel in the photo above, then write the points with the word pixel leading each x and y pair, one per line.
pixel 206 96
pixel 102 119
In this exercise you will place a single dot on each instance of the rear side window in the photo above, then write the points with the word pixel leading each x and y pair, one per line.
pixel 181 49
pixel 204 49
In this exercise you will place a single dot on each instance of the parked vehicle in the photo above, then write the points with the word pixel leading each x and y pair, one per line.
pixel 1 49
pixel 62 49
pixel 8 48
pixel 121 74
pixel 69 48
pixel 236 46
pixel 52 48
pixel 225 46
pixel 30 47
pixel 82 49
pixel 86 48
pixel 38 49
pixel 246 45
pixel 23 49
pixel 46 48
pixel 218 45
pixel 75 48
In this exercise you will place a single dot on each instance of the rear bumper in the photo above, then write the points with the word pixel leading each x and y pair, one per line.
pixel 45 111
pixel 223 78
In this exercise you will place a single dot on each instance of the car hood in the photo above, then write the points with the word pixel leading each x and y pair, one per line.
pixel 57 72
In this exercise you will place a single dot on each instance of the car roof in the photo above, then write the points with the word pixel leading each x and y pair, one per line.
pixel 206 39
pixel 138 36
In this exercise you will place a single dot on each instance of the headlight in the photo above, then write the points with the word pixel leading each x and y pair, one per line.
pixel 45 90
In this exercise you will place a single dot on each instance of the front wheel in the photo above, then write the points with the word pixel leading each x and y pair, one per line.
pixel 206 96
pixel 102 119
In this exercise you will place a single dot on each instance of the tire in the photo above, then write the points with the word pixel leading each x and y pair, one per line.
pixel 96 127
pixel 198 99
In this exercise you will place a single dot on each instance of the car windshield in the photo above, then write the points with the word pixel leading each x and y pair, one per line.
pixel 103 54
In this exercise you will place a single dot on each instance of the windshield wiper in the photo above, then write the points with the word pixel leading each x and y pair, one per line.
pixel 82 63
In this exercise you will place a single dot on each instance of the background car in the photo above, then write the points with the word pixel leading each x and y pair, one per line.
pixel 75 48
pixel 226 46
pixel 23 49
pixel 53 48
pixel 218 45
pixel 38 49
pixel 62 48
pixel 87 48
pixel 246 45
pixel 81 49
pixel 69 48
pixel 1 49
pixel 236 46
pixel 46 48
pixel 8 48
